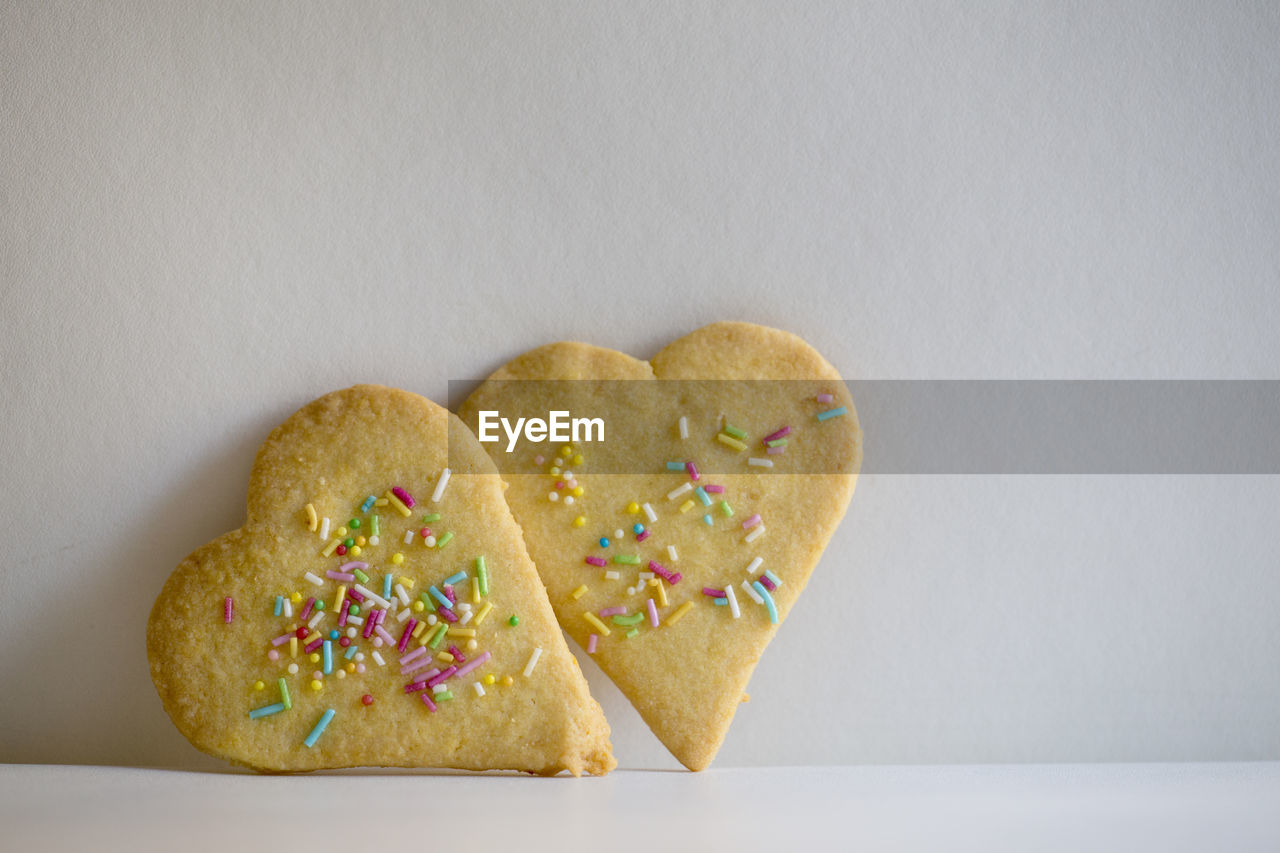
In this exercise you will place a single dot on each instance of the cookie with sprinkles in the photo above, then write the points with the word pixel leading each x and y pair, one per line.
pixel 675 546
pixel 377 608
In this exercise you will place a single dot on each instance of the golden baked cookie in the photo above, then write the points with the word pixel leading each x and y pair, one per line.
pixel 377 609
pixel 674 545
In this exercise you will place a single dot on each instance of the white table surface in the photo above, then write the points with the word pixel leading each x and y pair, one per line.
pixel 1164 807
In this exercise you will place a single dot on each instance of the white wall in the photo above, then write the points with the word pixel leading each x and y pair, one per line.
pixel 213 213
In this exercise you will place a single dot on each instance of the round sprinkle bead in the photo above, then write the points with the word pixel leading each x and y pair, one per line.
pixel 316 684
pixel 341 531
pixel 340 550
pixel 397 558
pixel 314 657
pixel 552 496
pixel 633 508
pixel 578 491
pixel 359 666
pixel 374 540
pixel 273 655
pixel 360 540
pixel 293 669
pixel 341 673
pixel 514 620
pixel 577 459
pixel 568 500
pixel 355 550
pixel 637 528
pixel 354 524
pixel 430 541
pixel 472 645
pixel 418 606
pixel 317 675
pixel 366 699
pixel 580 521
pixel 258 685
pixel 604 541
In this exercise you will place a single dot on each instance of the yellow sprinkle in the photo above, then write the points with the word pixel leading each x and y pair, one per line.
pixel 360 540
pixel 315 635
pixel 312 520
pixel 730 441
pixel 341 531
pixel 567 450
pixel 397 558
pixel 419 628
pixel 315 657
pixel 686 506
pixel 475 590
pixel 355 551
pixel 577 459
pixel 577 491
pixel 662 591
pixel 508 680
pixel 633 507
pixel 444 657
pixel 579 521
pixel 554 470
pixel 418 606
pixel 599 626
pixel 401 508
pixel 258 685
pixel 406 582
pixel 489 679
pixel 579 592
pixel 461 632
pixel 679 612
pixel 380 502
pixel 293 647
pixel 340 674
pixel 338 599
pixel 296 597
pixel 484 611
pixel 316 684
pixel 331 547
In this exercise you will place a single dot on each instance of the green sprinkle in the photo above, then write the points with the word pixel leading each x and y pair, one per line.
pixel 430 517
pixel 354 524
pixel 777 442
pixel 355 610
pixel 444 540
pixel 361 576
pixel 832 413
pixel 443 695
pixel 441 629
pixel 633 619
pixel 725 508
pixel 629 559
pixel 284 694
pixel 319 604
pixel 373 530
pixel 734 431
pixel 632 633
pixel 514 620
pixel 348 541
pixel 482 574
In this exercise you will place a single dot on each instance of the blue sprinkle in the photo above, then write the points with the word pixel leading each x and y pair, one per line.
pixel 351 651
pixel 441 597
pixel 368 503
pixel 319 729
pixel 771 576
pixel 703 496
pixel 675 466
pixel 832 413
pixel 720 602
pixel 334 634
pixel 266 710
pixel 328 657
pixel 386 586
pixel 707 518
pixel 604 541
pixel 279 605
pixel 637 529
pixel 455 579
pixel 768 600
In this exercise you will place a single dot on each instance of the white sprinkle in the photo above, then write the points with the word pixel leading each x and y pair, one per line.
pixel 631 590
pixel 568 500
pixel 403 615
pixel 313 579
pixel 684 427
pixel 553 496
pixel 759 463
pixel 288 608
pixel 479 688
pixel 354 620
pixel 465 617
pixel 315 619
pixel 439 688
pixel 533 661
pixel 439 492
pixel 754 534
pixel 408 537
pixel 679 490
pixel 402 595
pixel 746 585
pixel 430 541
pixel 733 600
pixel 367 593
pixel 568 475
pixel 617 534
pixel 293 669
pixel 351 632
pixel 374 540
pixel 359 657
pixel 462 606
pixel 611 575
pixel 671 552
pixel 644 576
pixel 324 528
pixel 753 565
pixel 649 513
pixel 432 619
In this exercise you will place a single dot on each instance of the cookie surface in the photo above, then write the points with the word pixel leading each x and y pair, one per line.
pixel 675 576
pixel 414 633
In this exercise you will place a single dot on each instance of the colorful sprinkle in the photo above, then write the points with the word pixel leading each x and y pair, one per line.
pixel 703 496
pixel 628 621
pixel 482 574
pixel 266 711
pixel 670 577
pixel 533 661
pixel 729 441
pixel 759 462
pixel 596 623
pixel 679 490
pixel 754 534
pixel 653 613
pixel 312 520
pixel 679 613
pixel 734 431
pixel 768 601
pixel 404 497
pixel 514 620
pixel 675 466
pixel 751 521
pixel 591 643
pixel 325 718
pixel 833 413
pixel 444 540
pixel 597 561
pixel 440 485
pixel 579 592
pixel 683 425
pixel 228 610
pixel 774 436
pixel 733 601
pixel 692 469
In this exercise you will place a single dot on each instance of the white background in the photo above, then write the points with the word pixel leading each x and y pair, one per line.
pixel 212 213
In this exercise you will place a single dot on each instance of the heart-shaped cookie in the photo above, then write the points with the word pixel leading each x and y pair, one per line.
pixel 674 546
pixel 377 608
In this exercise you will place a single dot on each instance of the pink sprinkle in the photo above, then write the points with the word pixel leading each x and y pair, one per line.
pixel 825 398
pixel 472 664
pixel 386 638
pixel 413 655
pixel 766 583
pixel 228 610
pixel 342 617
pixel 591 644
pixel 449 594
pixel 442 677
pixel 781 448
pixel 311 647
pixel 672 578
pixel 446 614
pixel 370 622
pixel 617 610
pixel 354 593
pixel 692 469
pixel 457 655
pixel 751 522
pixel 714 593
pixel 559 484
pixel 273 655
pixel 406 635
pixel 774 436
pixel 421 663
pixel 426 700
pixel 306 610
pixel 405 497
pixel 642 535
pixel 282 639
pixel 597 561
pixel 713 490
pixel 538 460
pixel 346 577
pixel 346 567
pixel 653 613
